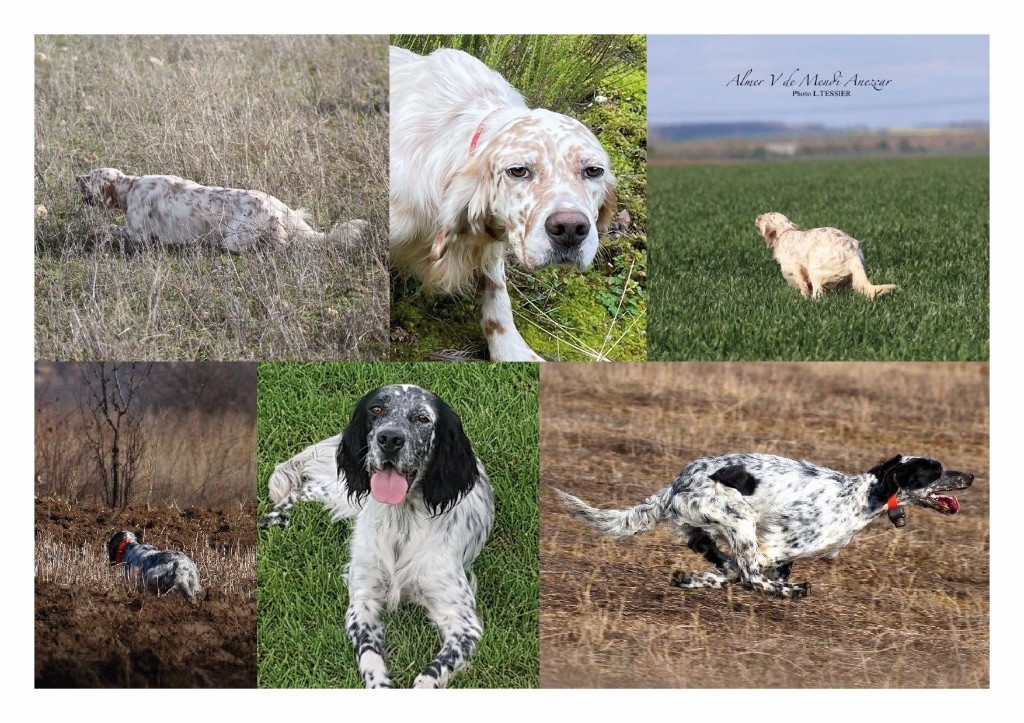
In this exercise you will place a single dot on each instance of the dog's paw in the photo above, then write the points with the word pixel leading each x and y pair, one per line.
pixel 680 579
pixel 273 519
pixel 426 681
pixel 800 590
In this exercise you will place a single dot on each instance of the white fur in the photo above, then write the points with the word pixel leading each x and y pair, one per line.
pixel 455 210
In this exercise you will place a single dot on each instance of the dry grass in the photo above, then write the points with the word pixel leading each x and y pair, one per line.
pixel 301 117
pixel 898 608
pixel 228 570
pixel 192 458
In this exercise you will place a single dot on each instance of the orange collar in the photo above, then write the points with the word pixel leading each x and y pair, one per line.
pixel 121 547
pixel 892 504
pixel 479 131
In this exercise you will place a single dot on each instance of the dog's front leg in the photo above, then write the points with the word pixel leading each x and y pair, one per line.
pixel 503 339
pixel 362 622
pixel 454 613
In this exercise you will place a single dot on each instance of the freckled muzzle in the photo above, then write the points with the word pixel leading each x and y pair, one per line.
pixel 392 463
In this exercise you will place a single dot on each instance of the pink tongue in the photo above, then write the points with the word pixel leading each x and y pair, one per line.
pixel 388 486
pixel 950 503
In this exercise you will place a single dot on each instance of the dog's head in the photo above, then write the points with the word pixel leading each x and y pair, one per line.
pixel 921 481
pixel 401 438
pixel 772 225
pixel 542 181
pixel 117 544
pixel 103 187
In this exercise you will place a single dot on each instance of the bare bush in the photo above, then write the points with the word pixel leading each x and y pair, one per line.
pixel 116 444
pixel 196 420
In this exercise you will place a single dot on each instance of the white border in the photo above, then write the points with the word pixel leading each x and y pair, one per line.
pixel 866 16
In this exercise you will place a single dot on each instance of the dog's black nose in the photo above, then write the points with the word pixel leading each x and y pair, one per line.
pixel 968 479
pixel 567 228
pixel 391 441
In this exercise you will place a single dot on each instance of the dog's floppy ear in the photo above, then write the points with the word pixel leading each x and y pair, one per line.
pixel 453 470
pixel 112 545
pixel 108 191
pixel 885 473
pixel 353 448
pixel 465 205
pixel 607 212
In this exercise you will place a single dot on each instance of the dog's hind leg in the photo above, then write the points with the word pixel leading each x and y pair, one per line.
pixel 695 580
pixel 860 283
pixel 310 476
pixel 736 521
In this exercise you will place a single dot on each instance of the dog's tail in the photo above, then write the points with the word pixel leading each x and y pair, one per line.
pixel 621 523
pixel 862 285
pixel 349 233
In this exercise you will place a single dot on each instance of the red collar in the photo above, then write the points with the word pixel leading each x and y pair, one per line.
pixel 892 504
pixel 121 547
pixel 478 132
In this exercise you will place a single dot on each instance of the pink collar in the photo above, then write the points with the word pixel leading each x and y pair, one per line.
pixel 479 131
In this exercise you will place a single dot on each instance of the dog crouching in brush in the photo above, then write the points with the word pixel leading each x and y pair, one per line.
pixel 768 512
pixel 179 212
pixel 163 571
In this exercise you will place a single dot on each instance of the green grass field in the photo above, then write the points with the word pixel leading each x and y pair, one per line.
pixel 302 597
pixel 717 292
pixel 563 314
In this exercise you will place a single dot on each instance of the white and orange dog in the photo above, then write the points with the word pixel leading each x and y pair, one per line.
pixel 475 174
pixel 818 258
pixel 176 211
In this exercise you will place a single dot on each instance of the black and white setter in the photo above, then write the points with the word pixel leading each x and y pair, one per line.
pixel 423 509
pixel 163 571
pixel 770 511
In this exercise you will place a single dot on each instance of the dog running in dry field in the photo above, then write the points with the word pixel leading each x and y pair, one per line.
pixel 476 174
pixel 816 259
pixel 163 571
pixel 405 470
pixel 174 211
pixel 768 512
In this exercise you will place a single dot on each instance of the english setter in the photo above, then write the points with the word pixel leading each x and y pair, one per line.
pixel 423 509
pixel 815 259
pixel 475 172
pixel 174 211
pixel 163 571
pixel 771 511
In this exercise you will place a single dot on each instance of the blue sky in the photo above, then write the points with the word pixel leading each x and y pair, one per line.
pixel 935 78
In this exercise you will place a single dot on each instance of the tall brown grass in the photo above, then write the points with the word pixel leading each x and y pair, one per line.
pixel 228 570
pixel 192 458
pixel 301 117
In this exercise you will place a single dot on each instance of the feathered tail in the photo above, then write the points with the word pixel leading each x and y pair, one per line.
pixel 621 523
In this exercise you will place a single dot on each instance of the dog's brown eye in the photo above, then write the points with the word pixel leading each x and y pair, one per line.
pixel 377 410
pixel 518 172
pixel 593 172
pixel 423 419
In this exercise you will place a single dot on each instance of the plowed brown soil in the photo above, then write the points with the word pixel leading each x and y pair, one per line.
pixel 95 629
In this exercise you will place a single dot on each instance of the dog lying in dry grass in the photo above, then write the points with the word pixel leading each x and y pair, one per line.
pixel 819 258
pixel 175 211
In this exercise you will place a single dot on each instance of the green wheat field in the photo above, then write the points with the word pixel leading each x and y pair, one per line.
pixel 716 292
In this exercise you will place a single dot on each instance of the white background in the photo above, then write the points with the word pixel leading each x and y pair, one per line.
pixel 23 21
